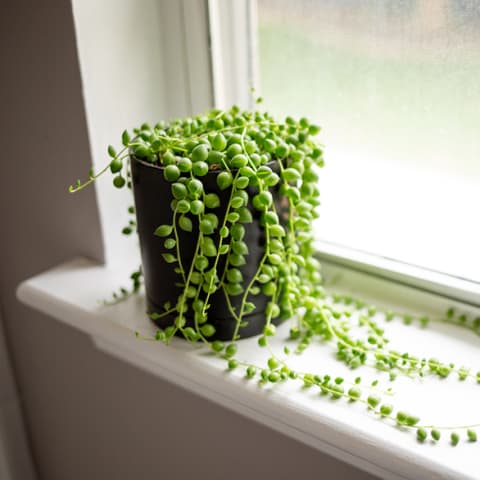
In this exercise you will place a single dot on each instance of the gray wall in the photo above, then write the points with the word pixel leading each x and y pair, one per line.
pixel 89 416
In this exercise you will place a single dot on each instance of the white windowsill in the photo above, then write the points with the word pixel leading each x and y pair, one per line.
pixel 72 292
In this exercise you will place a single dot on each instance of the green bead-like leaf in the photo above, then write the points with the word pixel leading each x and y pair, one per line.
pixel 412 420
pixel 262 201
pixel 264 171
pixel 118 181
pixel 163 231
pixel 111 151
pixel 219 143
pixel 185 223
pixel 402 418
pixel 183 206
pixel 212 200
pixel 275 259
pixel 209 248
pixel 168 158
pixel 245 215
pixel 472 435
pixel 270 145
pixel 269 289
pixel 272 180
pixel 234 289
pixel 169 258
pixel 197 207
pixel 190 334
pixel 197 305
pixel 262 342
pixel 276 246
pixel 207 330
pixel 421 434
pixel 354 393
pixel 206 227
pixel 239 161
pixel 211 217
pixel 276 231
pixel 116 165
pixel 224 180
pixel 263 278
pixel 233 217
pixel 237 260
pixel 179 191
pixel 236 202
pixel 247 172
pixel 242 182
pixel 291 175
pixel 271 218
pixel 141 151
pixel 200 153
pixel 269 330
pixel 272 310
pixel 169 243
pixel 231 350
pixel 125 138
pixel 223 249
pixel 237 231
pixel 240 248
pixel 232 364
pixel 217 346
pixel 185 165
pixel 200 169
pixel 215 158
pixel 233 150
pixel 281 151
pixel 234 275
pixel 171 173
pixel 249 307
pixel 386 410
pixel 195 186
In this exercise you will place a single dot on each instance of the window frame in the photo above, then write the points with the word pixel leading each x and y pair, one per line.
pixel 240 42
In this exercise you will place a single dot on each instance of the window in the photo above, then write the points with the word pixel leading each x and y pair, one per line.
pixel 396 86
pixel 393 83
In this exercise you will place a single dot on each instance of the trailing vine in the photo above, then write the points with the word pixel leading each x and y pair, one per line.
pixel 269 168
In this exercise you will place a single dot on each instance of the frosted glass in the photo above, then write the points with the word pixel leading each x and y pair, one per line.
pixel 396 87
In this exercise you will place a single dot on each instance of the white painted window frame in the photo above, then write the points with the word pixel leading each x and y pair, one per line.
pixel 216 54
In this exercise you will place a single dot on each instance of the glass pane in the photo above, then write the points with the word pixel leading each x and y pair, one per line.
pixel 395 84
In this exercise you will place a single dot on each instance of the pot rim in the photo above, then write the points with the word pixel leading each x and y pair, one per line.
pixel 217 170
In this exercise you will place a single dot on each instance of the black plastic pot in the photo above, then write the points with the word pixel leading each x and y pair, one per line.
pixel 152 204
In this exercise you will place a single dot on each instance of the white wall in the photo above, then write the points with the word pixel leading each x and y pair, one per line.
pixel 119 45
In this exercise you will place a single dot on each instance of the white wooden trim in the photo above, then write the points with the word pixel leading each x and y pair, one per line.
pixel 431 281
pixel 196 54
pixel 233 51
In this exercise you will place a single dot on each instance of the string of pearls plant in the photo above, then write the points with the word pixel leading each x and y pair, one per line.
pixel 252 149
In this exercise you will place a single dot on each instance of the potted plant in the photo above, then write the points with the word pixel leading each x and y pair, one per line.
pixel 224 206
